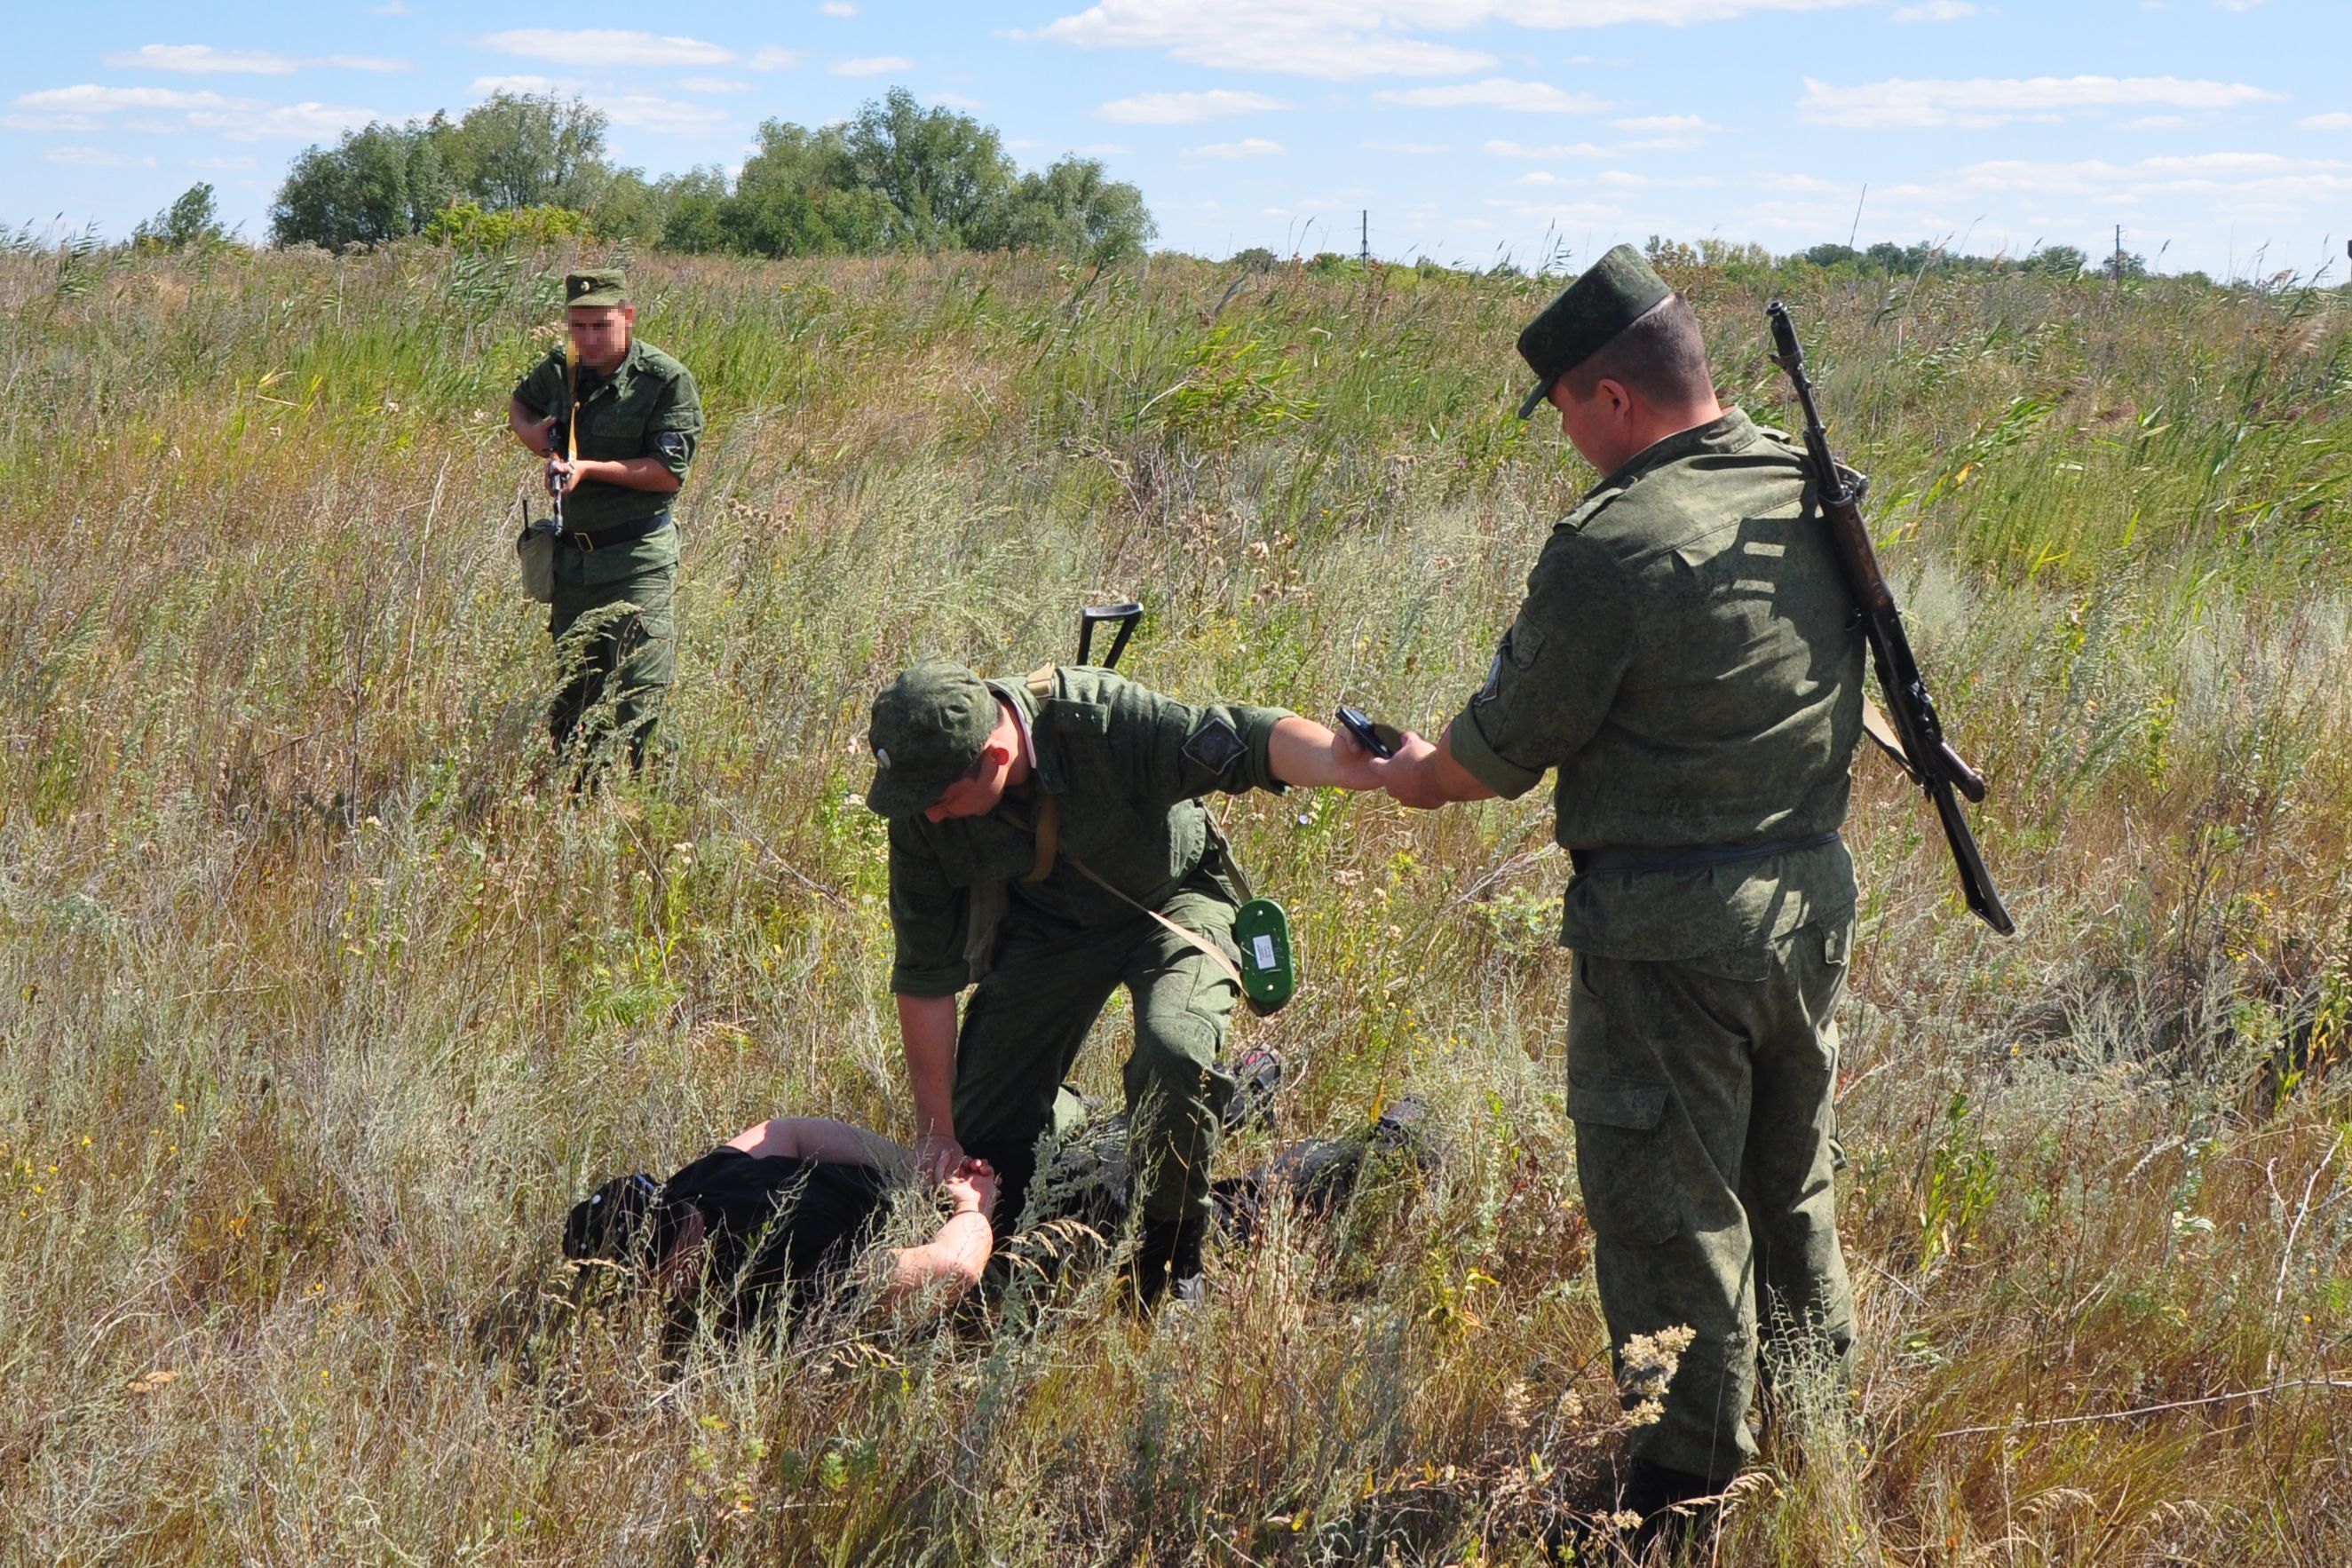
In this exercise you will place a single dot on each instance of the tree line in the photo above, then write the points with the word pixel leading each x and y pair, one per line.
pixel 519 165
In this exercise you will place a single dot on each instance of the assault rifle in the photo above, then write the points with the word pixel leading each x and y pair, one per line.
pixel 1918 744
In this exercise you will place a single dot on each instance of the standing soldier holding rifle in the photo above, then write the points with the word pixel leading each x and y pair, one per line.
pixel 1685 657
pixel 617 421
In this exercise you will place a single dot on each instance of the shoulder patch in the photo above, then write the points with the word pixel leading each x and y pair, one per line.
pixel 1215 746
pixel 671 444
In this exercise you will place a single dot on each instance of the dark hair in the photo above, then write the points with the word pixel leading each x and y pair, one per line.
pixel 1662 357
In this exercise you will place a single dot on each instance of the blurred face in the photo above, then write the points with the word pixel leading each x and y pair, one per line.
pixel 600 333
pixel 1600 426
pixel 977 793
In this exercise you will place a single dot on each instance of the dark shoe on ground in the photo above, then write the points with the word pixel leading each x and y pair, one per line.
pixel 1660 1495
pixel 1166 1265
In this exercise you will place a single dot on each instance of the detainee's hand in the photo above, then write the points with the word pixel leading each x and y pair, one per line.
pixel 939 1157
pixel 971 1188
pixel 1410 776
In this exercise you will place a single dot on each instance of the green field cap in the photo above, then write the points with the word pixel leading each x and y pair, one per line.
pixel 1614 292
pixel 603 286
pixel 929 726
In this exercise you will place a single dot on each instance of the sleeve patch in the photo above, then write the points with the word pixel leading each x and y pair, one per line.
pixel 1215 747
pixel 1494 687
pixel 671 444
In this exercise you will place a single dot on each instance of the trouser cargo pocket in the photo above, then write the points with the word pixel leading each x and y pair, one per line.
pixel 1628 1196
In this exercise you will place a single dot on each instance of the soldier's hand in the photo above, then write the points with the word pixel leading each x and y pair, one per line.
pixel 1410 776
pixel 562 477
pixel 1352 767
pixel 547 428
pixel 939 1158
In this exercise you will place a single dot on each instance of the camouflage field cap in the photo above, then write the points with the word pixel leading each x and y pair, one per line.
pixel 1614 292
pixel 929 726
pixel 602 286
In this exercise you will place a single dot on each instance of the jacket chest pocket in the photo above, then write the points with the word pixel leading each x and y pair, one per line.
pixel 617 424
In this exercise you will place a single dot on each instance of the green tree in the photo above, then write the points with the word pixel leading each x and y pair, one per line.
pixel 1073 207
pixel 377 184
pixel 193 220
pixel 2056 260
pixel 945 175
pixel 801 194
pixel 528 150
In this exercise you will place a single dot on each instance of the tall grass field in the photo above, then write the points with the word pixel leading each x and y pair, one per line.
pixel 322 999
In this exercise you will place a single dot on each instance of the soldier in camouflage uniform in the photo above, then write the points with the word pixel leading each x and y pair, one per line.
pixel 639 417
pixel 1047 845
pixel 1685 657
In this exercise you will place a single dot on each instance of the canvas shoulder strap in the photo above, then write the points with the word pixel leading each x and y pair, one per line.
pixel 1216 955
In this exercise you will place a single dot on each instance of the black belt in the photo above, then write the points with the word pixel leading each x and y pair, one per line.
pixel 619 533
pixel 1678 857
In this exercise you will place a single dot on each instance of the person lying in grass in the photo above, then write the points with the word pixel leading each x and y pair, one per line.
pixel 788 1212
pixel 788 1208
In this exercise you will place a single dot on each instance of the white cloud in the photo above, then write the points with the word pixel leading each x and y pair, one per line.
pixel 1348 40
pixel 1248 147
pixel 87 98
pixel 1186 108
pixel 202 60
pixel 2156 122
pixel 94 158
pixel 604 47
pixel 668 116
pixel 391 8
pixel 713 84
pixel 310 122
pixel 872 65
pixel 2338 121
pixel 1495 92
pixel 2235 5
pixel 1409 149
pixel 230 165
pixel 1556 152
pixel 167 111
pixel 522 85
pixel 957 101
pixel 839 8
pixel 1985 101
pixel 769 57
pixel 1668 124
pixel 1937 11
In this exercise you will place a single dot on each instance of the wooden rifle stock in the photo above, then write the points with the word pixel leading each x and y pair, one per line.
pixel 1927 756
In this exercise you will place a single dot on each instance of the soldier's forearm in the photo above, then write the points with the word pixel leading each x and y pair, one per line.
pixel 646 474
pixel 928 1026
pixel 529 425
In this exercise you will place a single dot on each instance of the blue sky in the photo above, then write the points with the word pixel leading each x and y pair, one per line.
pixel 2218 132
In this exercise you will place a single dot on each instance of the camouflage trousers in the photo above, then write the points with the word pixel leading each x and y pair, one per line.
pixel 1701 1091
pixel 1031 1012
pixel 614 628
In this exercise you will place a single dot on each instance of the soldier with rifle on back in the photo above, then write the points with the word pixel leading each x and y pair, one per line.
pixel 1687 657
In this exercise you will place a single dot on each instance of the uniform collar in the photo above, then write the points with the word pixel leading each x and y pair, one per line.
pixel 1732 431
pixel 1042 769
pixel 632 359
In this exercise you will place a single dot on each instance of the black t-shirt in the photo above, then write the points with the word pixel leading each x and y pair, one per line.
pixel 771 1220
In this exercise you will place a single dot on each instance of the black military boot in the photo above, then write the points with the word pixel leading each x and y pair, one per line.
pixel 1166 1264
pixel 1654 1492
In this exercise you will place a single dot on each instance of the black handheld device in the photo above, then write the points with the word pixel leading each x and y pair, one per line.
pixel 1381 740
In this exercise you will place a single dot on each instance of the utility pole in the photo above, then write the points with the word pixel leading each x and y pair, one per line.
pixel 1365 254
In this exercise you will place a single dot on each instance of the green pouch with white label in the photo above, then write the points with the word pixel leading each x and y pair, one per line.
pixel 1269 967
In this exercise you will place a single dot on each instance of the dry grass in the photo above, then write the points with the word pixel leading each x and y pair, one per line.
pixel 318 1006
